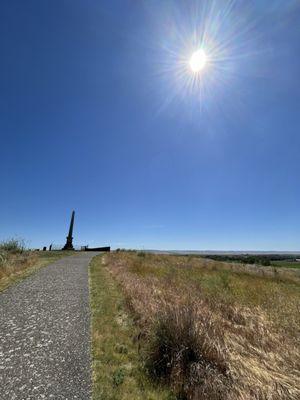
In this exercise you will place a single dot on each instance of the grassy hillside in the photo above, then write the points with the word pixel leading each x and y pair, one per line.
pixel 214 330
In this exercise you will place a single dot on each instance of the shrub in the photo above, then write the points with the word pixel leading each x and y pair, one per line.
pixel 187 351
pixel 12 245
pixel 265 262
pixel 118 376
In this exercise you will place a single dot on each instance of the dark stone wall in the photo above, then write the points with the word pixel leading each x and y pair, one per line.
pixel 107 248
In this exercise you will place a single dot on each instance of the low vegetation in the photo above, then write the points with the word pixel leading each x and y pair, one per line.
pixel 17 263
pixel 279 260
pixel 207 329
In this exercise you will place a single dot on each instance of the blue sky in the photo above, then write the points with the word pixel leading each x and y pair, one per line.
pixel 100 113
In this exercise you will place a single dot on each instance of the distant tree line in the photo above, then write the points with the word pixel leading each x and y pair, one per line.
pixel 262 259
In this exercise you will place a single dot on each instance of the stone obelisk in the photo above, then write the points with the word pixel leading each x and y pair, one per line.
pixel 69 242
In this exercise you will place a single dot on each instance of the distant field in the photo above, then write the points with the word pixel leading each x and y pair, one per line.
pixel 210 329
pixel 263 259
pixel 286 264
pixel 279 261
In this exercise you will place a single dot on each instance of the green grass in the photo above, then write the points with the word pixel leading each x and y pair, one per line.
pixel 39 260
pixel 276 291
pixel 117 369
pixel 277 295
pixel 211 329
pixel 286 264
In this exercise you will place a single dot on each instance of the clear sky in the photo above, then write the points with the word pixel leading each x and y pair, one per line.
pixel 101 113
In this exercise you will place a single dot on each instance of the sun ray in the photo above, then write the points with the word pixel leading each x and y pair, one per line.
pixel 202 49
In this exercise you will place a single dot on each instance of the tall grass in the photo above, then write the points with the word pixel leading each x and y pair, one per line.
pixel 214 330
pixel 14 258
pixel 12 245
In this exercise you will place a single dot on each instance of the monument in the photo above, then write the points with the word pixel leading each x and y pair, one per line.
pixel 69 242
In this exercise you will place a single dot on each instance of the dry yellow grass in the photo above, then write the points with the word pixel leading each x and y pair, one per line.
pixel 18 265
pixel 213 330
pixel 13 263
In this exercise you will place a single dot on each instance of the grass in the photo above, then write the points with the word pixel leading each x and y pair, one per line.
pixel 12 246
pixel 286 264
pixel 284 260
pixel 118 373
pixel 213 330
pixel 17 263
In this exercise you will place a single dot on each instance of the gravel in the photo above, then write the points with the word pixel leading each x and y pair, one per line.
pixel 45 333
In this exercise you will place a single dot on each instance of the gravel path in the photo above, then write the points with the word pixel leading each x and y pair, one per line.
pixel 45 334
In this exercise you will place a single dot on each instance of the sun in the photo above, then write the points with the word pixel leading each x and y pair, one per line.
pixel 198 60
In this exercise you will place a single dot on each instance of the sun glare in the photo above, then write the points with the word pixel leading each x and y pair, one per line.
pixel 198 60
pixel 200 51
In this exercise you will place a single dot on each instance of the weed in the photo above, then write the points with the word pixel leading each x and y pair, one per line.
pixel 118 376
pixel 121 348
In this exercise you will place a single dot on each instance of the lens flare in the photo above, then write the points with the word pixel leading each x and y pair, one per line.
pixel 202 53
pixel 198 60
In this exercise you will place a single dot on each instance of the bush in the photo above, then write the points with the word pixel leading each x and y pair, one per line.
pixel 187 351
pixel 12 245
pixel 265 262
